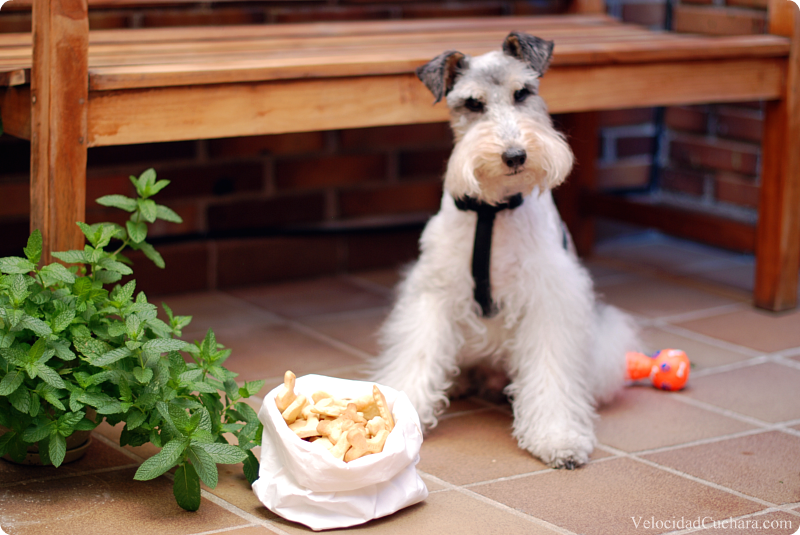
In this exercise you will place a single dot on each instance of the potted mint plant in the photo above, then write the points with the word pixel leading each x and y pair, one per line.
pixel 78 346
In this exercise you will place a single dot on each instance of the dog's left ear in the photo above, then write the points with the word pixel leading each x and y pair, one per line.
pixel 534 51
pixel 439 74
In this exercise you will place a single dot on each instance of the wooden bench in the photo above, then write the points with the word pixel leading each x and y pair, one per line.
pixel 68 88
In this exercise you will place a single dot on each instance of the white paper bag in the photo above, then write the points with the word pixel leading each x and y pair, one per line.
pixel 307 485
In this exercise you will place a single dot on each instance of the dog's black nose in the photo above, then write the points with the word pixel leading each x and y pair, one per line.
pixel 514 158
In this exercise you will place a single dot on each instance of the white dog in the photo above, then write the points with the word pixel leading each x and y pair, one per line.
pixel 497 279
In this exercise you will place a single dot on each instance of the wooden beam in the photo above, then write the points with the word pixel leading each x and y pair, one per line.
pixel 693 225
pixel 15 106
pixel 778 253
pixel 59 104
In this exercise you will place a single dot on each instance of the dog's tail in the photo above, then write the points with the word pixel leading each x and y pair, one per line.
pixel 615 334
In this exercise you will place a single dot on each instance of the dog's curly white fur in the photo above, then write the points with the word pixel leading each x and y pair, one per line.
pixel 563 350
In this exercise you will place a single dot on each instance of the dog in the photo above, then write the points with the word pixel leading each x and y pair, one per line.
pixel 497 280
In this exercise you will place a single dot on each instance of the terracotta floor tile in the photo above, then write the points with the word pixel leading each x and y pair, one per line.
pixel 764 465
pixel 776 522
pixel 386 278
pixel 249 530
pixel 701 354
pixel 605 498
pixel 765 391
pixel 665 254
pixel 216 311
pixel 97 457
pixel 739 275
pixel 234 489
pixel 443 513
pixel 756 329
pixel 312 298
pixel 263 352
pixel 358 329
pixel 109 502
pixel 474 447
pixel 654 298
pixel 643 418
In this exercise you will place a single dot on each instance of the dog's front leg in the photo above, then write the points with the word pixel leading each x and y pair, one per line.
pixel 420 341
pixel 553 411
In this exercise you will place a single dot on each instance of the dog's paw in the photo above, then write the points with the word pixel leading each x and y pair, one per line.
pixel 568 461
pixel 567 450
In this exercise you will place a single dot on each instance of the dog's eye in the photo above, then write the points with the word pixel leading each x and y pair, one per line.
pixel 473 104
pixel 521 95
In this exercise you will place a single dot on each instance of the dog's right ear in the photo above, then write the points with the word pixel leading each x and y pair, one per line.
pixel 439 74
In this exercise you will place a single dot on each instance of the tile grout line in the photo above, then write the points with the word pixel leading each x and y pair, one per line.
pixel 495 504
pixel 683 398
pixel 368 285
pixel 225 530
pixel 702 313
pixel 710 340
pixel 213 498
pixel 704 441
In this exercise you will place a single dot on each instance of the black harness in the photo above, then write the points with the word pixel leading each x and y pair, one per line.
pixel 482 248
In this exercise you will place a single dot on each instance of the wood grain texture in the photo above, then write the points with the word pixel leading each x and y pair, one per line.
pixel 778 251
pixel 59 104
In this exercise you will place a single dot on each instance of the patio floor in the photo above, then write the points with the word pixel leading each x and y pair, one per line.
pixel 724 450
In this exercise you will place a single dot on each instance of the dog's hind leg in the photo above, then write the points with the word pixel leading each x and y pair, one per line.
pixel 420 341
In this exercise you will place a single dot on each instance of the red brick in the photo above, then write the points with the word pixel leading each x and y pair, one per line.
pixel 191 214
pixel 204 180
pixel 623 174
pixel 718 20
pixel 431 11
pixel 539 7
pixel 16 198
pixel 717 154
pixel 145 154
pixel 202 17
pixel 265 213
pixel 324 14
pixel 280 144
pixel 741 123
pixel 99 184
pixel 687 118
pixel 626 117
pixel 15 232
pixel 647 14
pixel 263 260
pixel 634 146
pixel 327 171
pixel 423 164
pixel 736 189
pixel 391 199
pixel 404 136
pixel 683 181
pixel 186 270
pixel 382 249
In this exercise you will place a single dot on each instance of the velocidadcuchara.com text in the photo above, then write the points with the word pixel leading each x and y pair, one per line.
pixel 707 522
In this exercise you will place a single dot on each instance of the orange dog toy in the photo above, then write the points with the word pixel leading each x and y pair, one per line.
pixel 668 368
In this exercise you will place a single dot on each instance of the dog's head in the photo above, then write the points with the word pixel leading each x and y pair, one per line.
pixel 505 141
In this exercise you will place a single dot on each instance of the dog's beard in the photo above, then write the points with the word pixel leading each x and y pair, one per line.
pixel 476 167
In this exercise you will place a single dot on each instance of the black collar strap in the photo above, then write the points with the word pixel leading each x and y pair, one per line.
pixel 482 248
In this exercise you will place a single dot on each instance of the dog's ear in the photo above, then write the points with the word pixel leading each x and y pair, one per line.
pixel 534 51
pixel 439 74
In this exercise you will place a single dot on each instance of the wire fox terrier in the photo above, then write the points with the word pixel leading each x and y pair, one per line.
pixel 497 280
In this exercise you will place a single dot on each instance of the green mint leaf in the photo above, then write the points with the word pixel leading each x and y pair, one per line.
pixel 113 265
pixel 57 449
pixel 87 425
pixel 133 325
pixel 253 387
pixel 111 356
pixel 163 460
pixel 71 257
pixel 151 253
pixel 56 272
pixel 11 382
pixel 145 182
pixel 62 320
pixel 36 325
pixel 49 394
pixel 136 231
pixel 169 425
pixel 18 289
pixel 223 453
pixel 34 248
pixel 251 467
pixel 147 209
pixel 123 294
pixel 204 464
pixel 232 390
pixel 135 418
pixel 143 375
pixel 51 377
pixel 16 265
pixel 158 186
pixel 66 422
pixel 186 487
pixel 162 212
pixel 118 201
pixel 162 345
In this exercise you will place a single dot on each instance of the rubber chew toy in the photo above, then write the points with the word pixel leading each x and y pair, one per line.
pixel 668 368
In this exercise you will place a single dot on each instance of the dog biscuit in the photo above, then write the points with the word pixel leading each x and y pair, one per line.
pixel 286 393
pixel 339 450
pixel 305 428
pixel 375 425
pixel 383 407
pixel 293 411
pixel 360 445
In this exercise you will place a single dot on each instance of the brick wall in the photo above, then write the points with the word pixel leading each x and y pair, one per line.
pixel 267 208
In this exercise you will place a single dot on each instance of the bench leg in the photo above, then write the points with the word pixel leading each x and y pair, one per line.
pixel 59 103
pixel 582 130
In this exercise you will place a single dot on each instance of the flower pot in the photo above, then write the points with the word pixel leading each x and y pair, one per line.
pixel 77 444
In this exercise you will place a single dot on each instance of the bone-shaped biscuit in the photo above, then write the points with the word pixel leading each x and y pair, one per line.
pixel 305 428
pixel 383 407
pixel 286 394
pixel 375 425
pixel 339 450
pixel 333 429
pixel 293 411
pixel 360 445
pixel 329 407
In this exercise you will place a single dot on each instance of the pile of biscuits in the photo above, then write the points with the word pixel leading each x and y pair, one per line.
pixel 347 428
